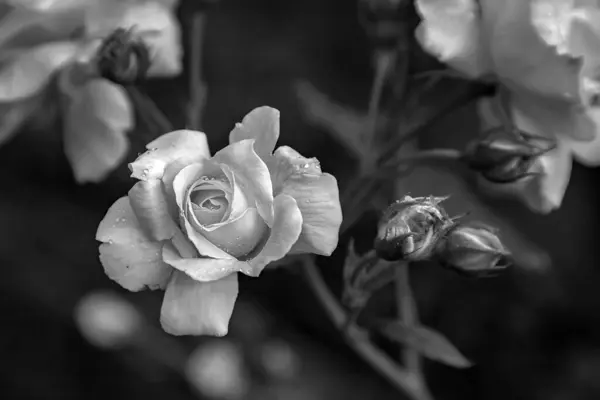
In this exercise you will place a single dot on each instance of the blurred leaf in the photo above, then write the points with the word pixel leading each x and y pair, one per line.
pixel 430 343
pixel 344 124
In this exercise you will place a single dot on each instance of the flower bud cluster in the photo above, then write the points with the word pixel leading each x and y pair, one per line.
pixel 417 229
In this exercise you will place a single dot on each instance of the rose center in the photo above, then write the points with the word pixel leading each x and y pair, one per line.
pixel 209 205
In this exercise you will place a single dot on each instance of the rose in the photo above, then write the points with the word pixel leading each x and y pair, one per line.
pixel 44 40
pixel 544 54
pixel 193 221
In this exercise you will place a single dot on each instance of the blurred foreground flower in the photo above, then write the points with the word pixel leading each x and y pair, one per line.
pixel 545 54
pixel 106 320
pixel 43 39
pixel 217 370
pixel 192 222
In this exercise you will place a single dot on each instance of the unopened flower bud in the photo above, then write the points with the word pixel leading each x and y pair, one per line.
pixel 473 249
pixel 507 155
pixel 410 228
pixel 123 57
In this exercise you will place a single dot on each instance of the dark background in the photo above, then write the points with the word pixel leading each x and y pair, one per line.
pixel 533 335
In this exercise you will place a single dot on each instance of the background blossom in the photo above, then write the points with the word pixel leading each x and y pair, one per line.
pixel 43 39
pixel 193 221
pixel 545 54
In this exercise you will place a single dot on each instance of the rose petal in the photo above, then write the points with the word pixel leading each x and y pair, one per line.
pixel 150 206
pixel 183 147
pixel 533 64
pixel 450 30
pixel 285 232
pixel 29 72
pixel 128 256
pixel 241 236
pixel 252 175
pixel 198 308
pixel 155 21
pixel 261 124
pixel 317 196
pixel 97 118
pixel 181 185
pixel 203 269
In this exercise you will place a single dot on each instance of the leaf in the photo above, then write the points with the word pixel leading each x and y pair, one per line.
pixel 428 342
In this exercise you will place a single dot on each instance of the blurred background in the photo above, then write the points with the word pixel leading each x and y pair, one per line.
pixel 68 332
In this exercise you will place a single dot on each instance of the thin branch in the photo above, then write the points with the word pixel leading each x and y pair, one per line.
pixel 357 338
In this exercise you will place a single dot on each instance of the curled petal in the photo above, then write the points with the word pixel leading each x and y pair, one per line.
pixel 285 232
pixel 97 119
pixel 450 30
pixel 128 256
pixel 183 147
pixel 252 175
pixel 198 308
pixel 150 206
pixel 29 72
pixel 241 236
pixel 181 185
pixel 154 21
pixel 261 124
pixel 317 196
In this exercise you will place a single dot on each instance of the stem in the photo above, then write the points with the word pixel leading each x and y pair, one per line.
pixel 358 339
pixel 197 92
pixel 407 312
pixel 383 61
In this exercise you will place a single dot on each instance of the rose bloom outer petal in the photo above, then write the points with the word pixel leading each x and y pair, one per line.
pixel 261 124
pixel 285 232
pixel 128 256
pixel 148 201
pixel 252 175
pixel 520 55
pixel 450 30
pixel 203 269
pixel 183 146
pixel 182 182
pixel 317 196
pixel 198 308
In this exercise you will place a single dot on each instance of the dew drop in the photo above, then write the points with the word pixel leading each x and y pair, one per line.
pixel 110 241
pixel 306 166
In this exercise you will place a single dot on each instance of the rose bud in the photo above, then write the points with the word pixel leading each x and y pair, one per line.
pixel 409 228
pixel 123 57
pixel 506 156
pixel 473 249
